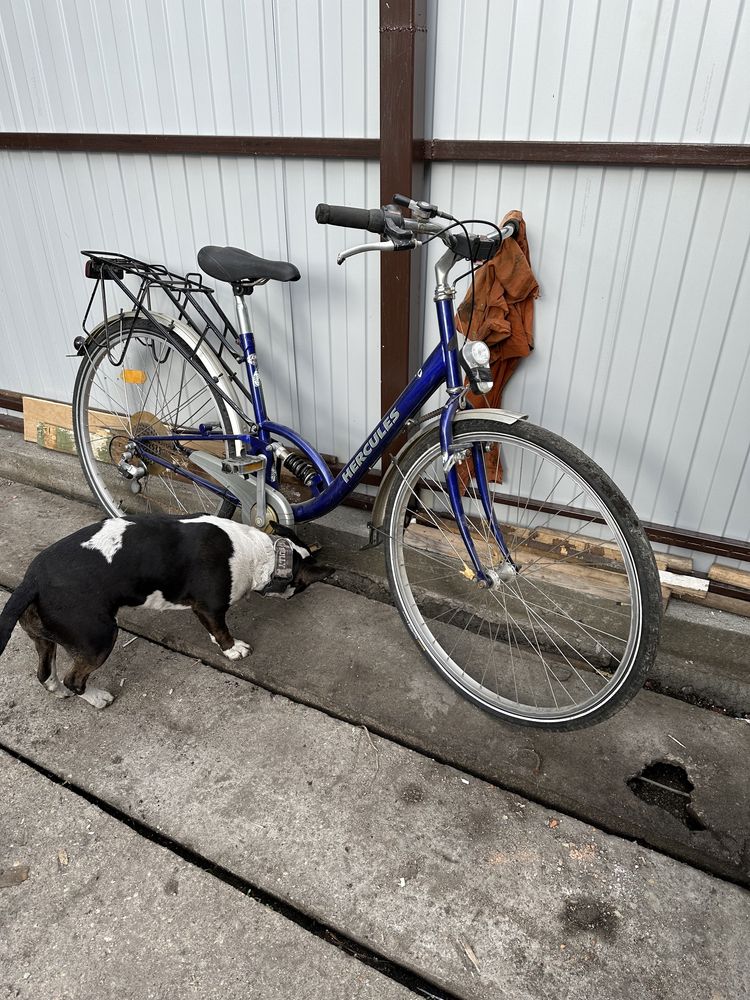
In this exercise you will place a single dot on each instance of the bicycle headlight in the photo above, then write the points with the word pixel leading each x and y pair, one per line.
pixel 476 354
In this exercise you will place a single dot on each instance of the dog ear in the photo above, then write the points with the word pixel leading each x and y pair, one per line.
pixel 283 532
pixel 307 574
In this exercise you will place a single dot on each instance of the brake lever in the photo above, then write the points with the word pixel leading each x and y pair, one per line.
pixel 367 247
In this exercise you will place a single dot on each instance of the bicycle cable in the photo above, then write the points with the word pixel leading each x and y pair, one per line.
pixel 472 270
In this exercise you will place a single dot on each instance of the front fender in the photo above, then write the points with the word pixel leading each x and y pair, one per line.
pixel 378 510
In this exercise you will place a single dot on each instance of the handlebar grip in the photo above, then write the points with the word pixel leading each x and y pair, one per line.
pixel 372 220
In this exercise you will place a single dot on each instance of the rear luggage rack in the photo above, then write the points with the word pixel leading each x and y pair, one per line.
pixel 194 301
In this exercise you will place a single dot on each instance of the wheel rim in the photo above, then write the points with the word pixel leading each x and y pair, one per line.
pixel 153 389
pixel 556 642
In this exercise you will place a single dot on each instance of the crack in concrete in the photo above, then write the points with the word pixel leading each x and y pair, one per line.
pixel 350 946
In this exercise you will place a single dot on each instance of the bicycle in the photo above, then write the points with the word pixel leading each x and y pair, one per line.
pixel 533 590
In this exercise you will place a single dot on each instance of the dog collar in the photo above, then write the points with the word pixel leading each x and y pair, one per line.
pixel 283 554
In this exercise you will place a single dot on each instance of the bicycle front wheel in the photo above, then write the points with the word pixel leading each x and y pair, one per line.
pixel 135 384
pixel 567 638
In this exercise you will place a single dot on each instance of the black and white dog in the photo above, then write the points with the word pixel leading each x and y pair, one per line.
pixel 73 590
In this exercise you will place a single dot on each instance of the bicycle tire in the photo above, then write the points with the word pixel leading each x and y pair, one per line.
pixel 113 410
pixel 567 630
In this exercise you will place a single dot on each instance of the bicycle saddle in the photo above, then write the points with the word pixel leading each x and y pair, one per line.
pixel 235 265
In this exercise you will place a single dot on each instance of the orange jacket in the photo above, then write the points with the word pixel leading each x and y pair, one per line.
pixel 503 315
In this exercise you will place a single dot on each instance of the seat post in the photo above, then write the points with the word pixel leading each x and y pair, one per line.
pixel 243 317
pixel 247 342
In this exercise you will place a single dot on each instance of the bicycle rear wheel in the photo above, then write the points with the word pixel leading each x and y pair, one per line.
pixel 137 384
pixel 567 640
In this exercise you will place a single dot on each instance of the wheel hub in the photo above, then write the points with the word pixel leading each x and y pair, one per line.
pixel 497 577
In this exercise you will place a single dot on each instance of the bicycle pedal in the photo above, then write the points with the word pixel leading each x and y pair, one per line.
pixel 243 466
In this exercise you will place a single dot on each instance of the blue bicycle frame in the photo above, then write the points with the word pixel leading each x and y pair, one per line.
pixel 441 367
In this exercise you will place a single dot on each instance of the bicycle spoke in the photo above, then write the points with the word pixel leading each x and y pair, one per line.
pixel 173 396
pixel 549 634
pixel 578 623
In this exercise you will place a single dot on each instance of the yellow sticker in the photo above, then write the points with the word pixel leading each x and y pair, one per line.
pixel 468 573
pixel 133 375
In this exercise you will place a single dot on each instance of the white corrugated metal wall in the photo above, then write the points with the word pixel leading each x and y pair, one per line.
pixel 642 331
pixel 642 347
pixel 239 67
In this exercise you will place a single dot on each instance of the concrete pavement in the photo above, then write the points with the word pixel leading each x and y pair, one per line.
pixel 318 649
pixel 335 776
pixel 474 888
pixel 105 913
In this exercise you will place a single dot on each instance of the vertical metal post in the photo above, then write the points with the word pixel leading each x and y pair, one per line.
pixel 402 73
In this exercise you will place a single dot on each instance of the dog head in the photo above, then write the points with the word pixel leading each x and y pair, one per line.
pixel 288 581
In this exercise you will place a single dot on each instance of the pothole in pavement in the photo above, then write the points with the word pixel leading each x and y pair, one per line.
pixel 668 787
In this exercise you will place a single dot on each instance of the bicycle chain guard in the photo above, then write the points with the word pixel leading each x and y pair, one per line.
pixel 246 480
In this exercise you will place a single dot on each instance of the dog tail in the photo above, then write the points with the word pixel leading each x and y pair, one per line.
pixel 17 603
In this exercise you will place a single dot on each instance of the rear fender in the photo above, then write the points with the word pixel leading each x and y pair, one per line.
pixel 190 339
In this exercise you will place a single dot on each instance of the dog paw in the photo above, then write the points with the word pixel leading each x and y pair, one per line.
pixel 238 651
pixel 97 697
pixel 57 689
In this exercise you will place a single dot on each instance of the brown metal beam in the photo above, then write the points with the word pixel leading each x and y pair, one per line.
pixel 626 154
pixel 698 541
pixel 8 423
pixel 629 154
pixel 11 400
pixel 210 145
pixel 402 72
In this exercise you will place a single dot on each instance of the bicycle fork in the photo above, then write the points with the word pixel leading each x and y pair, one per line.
pixel 451 455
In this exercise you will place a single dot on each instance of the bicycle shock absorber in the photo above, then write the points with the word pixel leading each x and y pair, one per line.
pixel 299 466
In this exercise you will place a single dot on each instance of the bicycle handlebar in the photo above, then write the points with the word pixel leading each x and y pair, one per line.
pixel 372 220
pixel 400 232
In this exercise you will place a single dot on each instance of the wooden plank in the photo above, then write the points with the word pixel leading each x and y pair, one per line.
pixel 720 603
pixel 731 577
pixel 678 564
pixel 680 585
pixel 50 425
pixel 604 578
pixel 592 580
pixel 555 543
pixel 56 438
pixel 43 411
